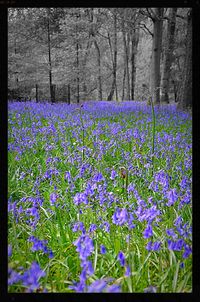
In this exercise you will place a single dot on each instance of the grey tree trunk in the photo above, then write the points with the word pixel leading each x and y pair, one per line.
pixel 123 83
pixel 134 45
pixel 49 50
pixel 185 91
pixel 36 92
pixel 126 46
pixel 156 51
pixel 99 70
pixel 113 87
pixel 68 94
pixel 77 66
pixel 168 55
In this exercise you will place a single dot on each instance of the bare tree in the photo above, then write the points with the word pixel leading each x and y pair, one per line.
pixel 157 18
pixel 114 57
pixel 168 55
pixel 185 91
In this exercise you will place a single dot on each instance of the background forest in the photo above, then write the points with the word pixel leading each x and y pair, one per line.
pixel 77 54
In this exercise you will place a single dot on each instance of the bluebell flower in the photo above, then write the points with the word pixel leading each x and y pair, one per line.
pixel 187 251
pixel 156 246
pixel 130 188
pixel 172 197
pixel 97 286
pixel 9 250
pixel 120 216
pixel 78 287
pixel 80 198
pixel 13 277
pixel 106 226
pixel 31 277
pixel 98 177
pixel 78 226
pixel 148 232
pixel 178 221
pixel 40 245
pixel 175 245
pixel 114 288
pixel 121 258
pixel 89 190
pixel 84 246
pixel 149 246
pixel 53 198
pixel 92 227
pixel 150 289
pixel 127 271
pixel 113 174
pixel 102 249
pixel 171 233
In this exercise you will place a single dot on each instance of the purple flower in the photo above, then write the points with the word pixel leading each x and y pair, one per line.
pixel 98 177
pixel 175 245
pixel 170 232
pixel 78 226
pixel 14 277
pixel 92 227
pixel 149 246
pixel 40 245
pixel 106 226
pixel 130 188
pixel 121 258
pixel 114 288
pixel 80 198
pixel 31 277
pixel 53 198
pixel 178 221
pixel 113 174
pixel 187 251
pixel 156 246
pixel 89 190
pixel 78 287
pixel 9 250
pixel 102 249
pixel 84 246
pixel 150 289
pixel 128 271
pixel 172 197
pixel 153 246
pixel 97 286
pixel 120 216
pixel 148 232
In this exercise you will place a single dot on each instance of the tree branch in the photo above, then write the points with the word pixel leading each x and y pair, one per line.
pixel 146 29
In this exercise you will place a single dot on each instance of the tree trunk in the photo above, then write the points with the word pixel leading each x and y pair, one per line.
pixel 156 51
pixel 49 50
pixel 185 91
pixel 68 94
pixel 126 45
pixel 134 45
pixel 36 92
pixel 123 83
pixel 168 55
pixel 110 97
pixel 77 66
pixel 99 70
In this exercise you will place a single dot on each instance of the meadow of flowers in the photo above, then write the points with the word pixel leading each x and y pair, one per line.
pixel 91 208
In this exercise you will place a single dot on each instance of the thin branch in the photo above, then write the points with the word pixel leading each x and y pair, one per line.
pixel 151 14
pixel 146 29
